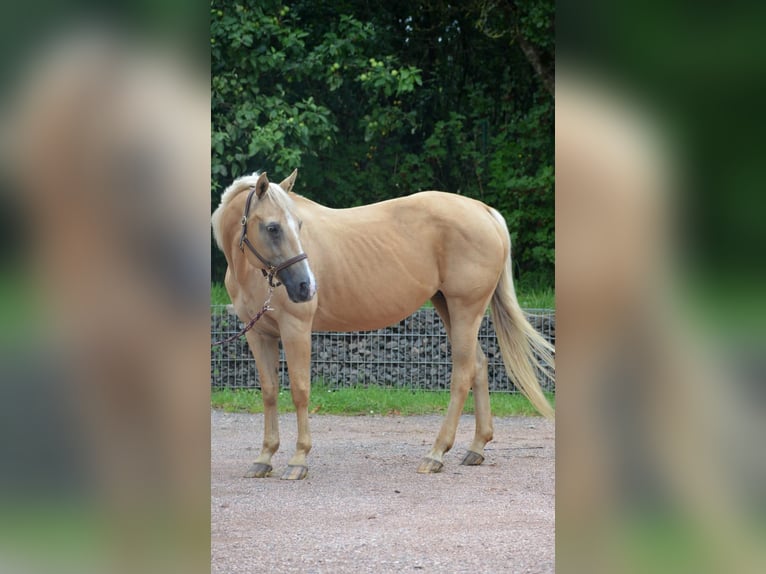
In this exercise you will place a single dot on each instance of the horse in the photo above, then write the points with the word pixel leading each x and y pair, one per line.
pixel 365 268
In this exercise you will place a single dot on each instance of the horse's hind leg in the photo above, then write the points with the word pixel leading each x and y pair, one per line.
pixel 482 410
pixel 266 352
pixel 463 326
pixel 483 413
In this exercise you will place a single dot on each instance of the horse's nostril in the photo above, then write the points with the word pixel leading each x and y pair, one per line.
pixel 304 289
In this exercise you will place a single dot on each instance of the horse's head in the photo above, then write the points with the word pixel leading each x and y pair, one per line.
pixel 271 231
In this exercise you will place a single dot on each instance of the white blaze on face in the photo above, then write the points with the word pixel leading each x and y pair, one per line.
pixel 295 229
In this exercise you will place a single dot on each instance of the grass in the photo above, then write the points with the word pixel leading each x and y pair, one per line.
pixel 538 298
pixel 219 295
pixel 370 401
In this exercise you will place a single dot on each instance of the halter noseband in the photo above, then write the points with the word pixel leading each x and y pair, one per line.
pixel 271 269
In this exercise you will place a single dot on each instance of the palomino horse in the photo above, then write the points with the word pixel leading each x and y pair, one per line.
pixel 369 267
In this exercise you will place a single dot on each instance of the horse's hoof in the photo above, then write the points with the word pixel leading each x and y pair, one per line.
pixel 295 472
pixel 472 458
pixel 258 470
pixel 430 466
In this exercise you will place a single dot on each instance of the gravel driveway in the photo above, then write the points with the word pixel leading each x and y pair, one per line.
pixel 363 508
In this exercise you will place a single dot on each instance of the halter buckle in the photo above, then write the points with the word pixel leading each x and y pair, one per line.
pixel 272 273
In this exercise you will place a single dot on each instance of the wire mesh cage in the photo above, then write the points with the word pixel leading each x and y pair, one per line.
pixel 412 354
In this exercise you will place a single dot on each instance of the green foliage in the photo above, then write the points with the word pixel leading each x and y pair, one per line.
pixel 378 102
pixel 263 75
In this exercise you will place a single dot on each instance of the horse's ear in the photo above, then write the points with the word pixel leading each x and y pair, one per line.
pixel 288 183
pixel 261 185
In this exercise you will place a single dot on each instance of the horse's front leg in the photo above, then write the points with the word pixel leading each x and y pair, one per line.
pixel 266 352
pixel 297 346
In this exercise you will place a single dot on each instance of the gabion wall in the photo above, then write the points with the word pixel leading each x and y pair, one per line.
pixel 412 354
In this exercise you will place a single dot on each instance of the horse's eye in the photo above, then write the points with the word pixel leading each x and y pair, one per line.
pixel 273 229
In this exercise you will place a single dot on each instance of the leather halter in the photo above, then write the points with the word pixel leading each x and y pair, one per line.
pixel 271 269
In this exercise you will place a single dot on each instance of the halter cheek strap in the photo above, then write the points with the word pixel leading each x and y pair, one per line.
pixel 271 269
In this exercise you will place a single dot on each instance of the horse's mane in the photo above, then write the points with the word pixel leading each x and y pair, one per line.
pixel 246 182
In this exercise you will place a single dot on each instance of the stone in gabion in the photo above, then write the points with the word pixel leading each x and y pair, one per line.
pixel 412 354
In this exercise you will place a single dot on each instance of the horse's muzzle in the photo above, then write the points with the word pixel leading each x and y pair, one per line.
pixel 299 282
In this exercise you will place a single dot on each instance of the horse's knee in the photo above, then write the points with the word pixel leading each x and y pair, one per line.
pixel 300 398
pixel 269 401
pixel 463 368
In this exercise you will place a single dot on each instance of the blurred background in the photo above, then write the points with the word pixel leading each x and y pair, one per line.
pixel 104 286
pixel 659 276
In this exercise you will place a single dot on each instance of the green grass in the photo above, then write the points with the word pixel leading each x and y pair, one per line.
pixel 542 298
pixel 537 299
pixel 219 295
pixel 370 401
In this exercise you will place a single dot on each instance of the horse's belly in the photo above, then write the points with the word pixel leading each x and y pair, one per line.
pixel 353 316
pixel 374 290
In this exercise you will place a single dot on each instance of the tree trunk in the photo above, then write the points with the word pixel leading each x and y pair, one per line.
pixel 533 57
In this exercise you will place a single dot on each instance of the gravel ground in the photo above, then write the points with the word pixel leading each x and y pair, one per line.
pixel 363 508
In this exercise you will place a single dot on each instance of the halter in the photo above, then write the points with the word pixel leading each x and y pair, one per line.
pixel 271 269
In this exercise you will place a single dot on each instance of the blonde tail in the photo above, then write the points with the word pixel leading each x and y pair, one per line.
pixel 524 350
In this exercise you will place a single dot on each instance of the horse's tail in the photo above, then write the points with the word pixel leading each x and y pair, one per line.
pixel 524 350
